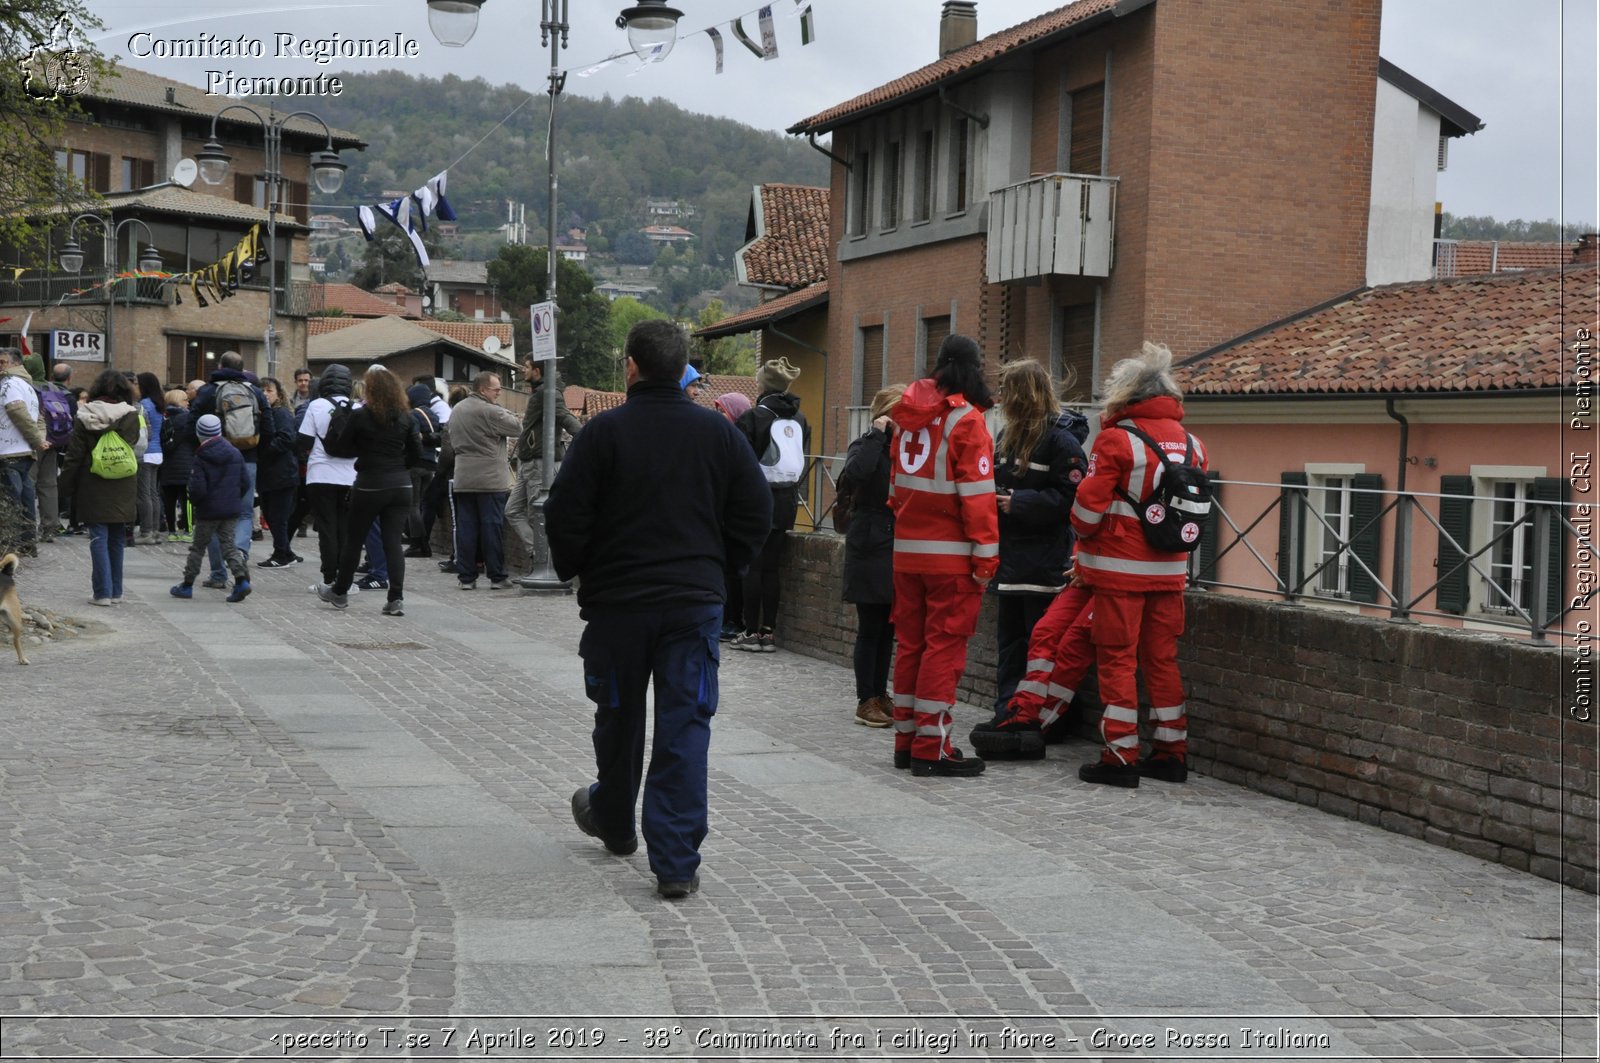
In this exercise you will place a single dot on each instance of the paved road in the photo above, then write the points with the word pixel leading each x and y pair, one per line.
pixel 275 829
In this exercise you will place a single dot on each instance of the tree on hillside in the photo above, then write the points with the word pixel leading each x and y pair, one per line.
pixel 40 73
pixel 583 337
pixel 730 355
pixel 627 312
pixel 633 248
pixel 389 257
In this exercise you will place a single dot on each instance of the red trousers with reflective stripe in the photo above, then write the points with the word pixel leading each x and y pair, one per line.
pixel 934 617
pixel 1059 656
pixel 1133 631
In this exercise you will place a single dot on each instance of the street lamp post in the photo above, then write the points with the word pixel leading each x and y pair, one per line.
pixel 652 30
pixel 327 172
pixel 71 260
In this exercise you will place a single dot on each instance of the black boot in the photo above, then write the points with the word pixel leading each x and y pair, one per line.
pixel 1008 738
pixel 952 764
pixel 1125 775
pixel 1167 769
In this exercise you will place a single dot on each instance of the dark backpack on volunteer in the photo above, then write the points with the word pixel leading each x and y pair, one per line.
pixel 55 409
pixel 1174 514
pixel 237 410
pixel 783 459
pixel 339 440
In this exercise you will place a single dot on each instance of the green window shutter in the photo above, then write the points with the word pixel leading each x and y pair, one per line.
pixel 1364 509
pixel 1550 489
pixel 1207 571
pixel 1455 516
pixel 1291 569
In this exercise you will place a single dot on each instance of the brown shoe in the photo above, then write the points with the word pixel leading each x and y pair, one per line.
pixel 870 714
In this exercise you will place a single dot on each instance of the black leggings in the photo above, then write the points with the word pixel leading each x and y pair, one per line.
pixel 389 505
pixel 276 507
pixel 762 582
pixel 175 505
pixel 874 648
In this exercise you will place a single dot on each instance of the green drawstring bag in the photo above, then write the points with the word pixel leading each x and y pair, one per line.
pixel 113 458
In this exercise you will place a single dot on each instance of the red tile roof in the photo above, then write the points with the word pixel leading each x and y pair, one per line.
pixel 1467 258
pixel 470 333
pixel 958 62
pixel 353 301
pixel 717 384
pixel 791 248
pixel 773 310
pixel 586 402
pixel 1477 334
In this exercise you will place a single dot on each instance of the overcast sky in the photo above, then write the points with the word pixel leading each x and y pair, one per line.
pixel 1527 68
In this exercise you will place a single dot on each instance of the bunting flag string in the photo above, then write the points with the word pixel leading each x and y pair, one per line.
pixel 716 42
pixel 808 26
pixel 410 213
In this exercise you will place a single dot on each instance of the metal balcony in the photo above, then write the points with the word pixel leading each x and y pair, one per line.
pixel 1058 223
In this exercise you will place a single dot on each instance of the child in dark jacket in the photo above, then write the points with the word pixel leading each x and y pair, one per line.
pixel 216 485
pixel 177 461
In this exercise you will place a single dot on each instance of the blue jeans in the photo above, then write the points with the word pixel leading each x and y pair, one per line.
pixel 16 480
pixel 106 542
pixel 377 558
pixel 241 531
pixel 480 518
pixel 623 650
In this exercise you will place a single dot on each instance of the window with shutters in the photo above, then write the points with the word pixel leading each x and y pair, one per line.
pixel 860 189
pixel 871 362
pixel 889 216
pixel 1490 517
pixel 93 168
pixel 1328 533
pixel 136 173
pixel 1076 365
pixel 1088 128
pixel 960 150
pixel 922 204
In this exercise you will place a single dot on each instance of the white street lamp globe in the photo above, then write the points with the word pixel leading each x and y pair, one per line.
pixel 328 171
pixel 71 257
pixel 213 163
pixel 652 28
pixel 150 261
pixel 453 22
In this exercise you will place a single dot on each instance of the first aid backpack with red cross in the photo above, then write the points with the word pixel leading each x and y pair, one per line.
pixel 1174 514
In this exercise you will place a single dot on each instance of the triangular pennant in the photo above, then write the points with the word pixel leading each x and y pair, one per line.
pixel 736 27
pixel 716 42
pixel 808 28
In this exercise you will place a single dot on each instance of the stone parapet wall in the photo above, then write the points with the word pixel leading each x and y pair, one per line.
pixel 1458 739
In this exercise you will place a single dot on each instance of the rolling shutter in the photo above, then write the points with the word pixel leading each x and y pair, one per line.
pixel 1088 127
pixel 1364 528
pixel 1455 516
pixel 1292 502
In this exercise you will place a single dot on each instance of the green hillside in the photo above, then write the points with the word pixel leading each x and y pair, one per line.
pixel 613 155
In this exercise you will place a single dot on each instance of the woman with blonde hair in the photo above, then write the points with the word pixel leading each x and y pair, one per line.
pixel 1038 464
pixel 869 558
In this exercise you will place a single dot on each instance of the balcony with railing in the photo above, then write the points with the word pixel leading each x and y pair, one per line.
pixel 1057 223
pixel 69 289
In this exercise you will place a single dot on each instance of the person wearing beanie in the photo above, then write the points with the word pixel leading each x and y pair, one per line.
pixel 328 479
pixel 233 388
pixel 946 549
pixel 691 382
pixel 1138 589
pixel 781 437
pixel 217 484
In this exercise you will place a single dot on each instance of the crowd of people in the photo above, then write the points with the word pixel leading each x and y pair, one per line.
pixel 674 518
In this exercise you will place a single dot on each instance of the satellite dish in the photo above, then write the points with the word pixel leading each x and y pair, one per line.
pixel 491 344
pixel 184 173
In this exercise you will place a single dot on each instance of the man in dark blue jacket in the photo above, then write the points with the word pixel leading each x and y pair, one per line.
pixel 230 367
pixel 654 500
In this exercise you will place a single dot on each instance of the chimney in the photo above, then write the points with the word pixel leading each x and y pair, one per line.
pixel 1588 249
pixel 958 26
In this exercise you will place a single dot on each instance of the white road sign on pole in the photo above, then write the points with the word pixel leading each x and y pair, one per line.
pixel 542 316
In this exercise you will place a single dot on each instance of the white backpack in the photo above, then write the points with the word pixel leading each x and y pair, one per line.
pixel 784 459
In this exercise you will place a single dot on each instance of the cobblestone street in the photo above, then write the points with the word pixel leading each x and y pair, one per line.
pixel 274 829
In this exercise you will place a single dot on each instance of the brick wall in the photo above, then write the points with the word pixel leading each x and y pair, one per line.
pixel 1456 739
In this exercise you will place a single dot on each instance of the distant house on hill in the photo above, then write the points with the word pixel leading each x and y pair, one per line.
pixel 464 288
pixel 667 234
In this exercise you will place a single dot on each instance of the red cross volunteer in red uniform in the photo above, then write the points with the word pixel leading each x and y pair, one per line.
pixel 946 549
pixel 1138 590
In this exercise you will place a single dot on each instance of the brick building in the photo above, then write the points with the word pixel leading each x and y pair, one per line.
pixel 1101 174
pixel 136 130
